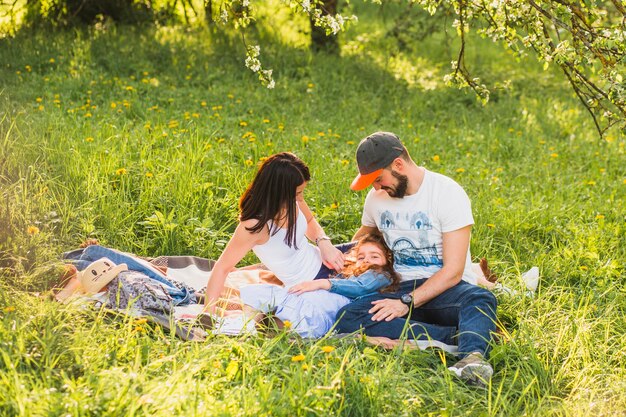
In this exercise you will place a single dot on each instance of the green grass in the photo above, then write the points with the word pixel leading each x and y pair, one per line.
pixel 134 136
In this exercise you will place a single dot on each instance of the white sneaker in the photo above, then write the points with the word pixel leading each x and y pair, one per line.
pixel 531 278
pixel 473 369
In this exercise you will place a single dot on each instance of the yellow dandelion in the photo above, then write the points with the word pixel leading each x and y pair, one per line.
pixel 491 225
pixel 40 108
pixel 88 115
pixel 600 216
pixel 591 182
pixel 173 124
pixel 334 206
pixel 554 155
pixel 583 268
pixel 305 139
pixel 298 358
pixel 149 175
pixel 327 349
pixel 28 68
pixel 9 309
pixel 344 162
pixel 243 123
pixel 32 230
pixel 624 181
pixel 511 130
pixel 195 115
pixel 310 85
pixel 287 324
pixel 252 139
pixel 281 126
pixel 542 142
pixel 89 139
pixel 38 99
pixel 18 72
pixel 263 159
pixel 436 158
pixel 460 170
pixel 221 140
pixel 248 162
pixel 238 101
pixel 350 142
pixel 51 60
pixel 305 367
pixel 321 134
pixel 203 103
pixel 141 320
pixel 164 134
pixel 266 120
pixel 121 171
pixel 129 88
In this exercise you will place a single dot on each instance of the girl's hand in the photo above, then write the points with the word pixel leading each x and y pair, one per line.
pixel 331 256
pixel 318 284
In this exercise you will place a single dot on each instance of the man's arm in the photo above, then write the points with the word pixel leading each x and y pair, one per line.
pixel 363 230
pixel 455 245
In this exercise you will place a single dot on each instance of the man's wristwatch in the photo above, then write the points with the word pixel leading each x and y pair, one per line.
pixel 407 300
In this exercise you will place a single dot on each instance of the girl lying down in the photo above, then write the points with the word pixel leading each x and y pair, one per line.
pixel 311 306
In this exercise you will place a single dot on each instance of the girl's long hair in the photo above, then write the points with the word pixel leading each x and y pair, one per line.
pixel 376 239
pixel 272 191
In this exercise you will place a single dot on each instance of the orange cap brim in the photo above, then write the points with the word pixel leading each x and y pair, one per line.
pixel 365 180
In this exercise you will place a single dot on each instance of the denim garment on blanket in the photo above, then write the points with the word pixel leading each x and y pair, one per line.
pixel 135 290
pixel 81 258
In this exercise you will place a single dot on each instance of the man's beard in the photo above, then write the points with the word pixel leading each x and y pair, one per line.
pixel 399 190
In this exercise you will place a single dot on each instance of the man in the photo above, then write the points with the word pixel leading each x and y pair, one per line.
pixel 426 220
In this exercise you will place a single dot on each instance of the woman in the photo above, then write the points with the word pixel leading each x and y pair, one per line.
pixel 274 223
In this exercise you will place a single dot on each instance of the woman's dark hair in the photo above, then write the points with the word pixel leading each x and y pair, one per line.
pixel 273 190
pixel 376 239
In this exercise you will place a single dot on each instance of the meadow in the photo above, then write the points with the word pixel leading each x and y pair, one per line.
pixel 145 137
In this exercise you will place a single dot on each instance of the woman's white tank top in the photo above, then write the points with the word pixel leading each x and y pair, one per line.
pixel 289 264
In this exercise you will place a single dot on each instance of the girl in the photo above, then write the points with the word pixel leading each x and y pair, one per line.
pixel 309 308
pixel 372 270
pixel 274 223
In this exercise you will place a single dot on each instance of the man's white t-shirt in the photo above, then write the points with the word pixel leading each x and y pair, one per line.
pixel 413 226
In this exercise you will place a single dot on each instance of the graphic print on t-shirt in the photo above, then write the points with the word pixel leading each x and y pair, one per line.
pixel 408 253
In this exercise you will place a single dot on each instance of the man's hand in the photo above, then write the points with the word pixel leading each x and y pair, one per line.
pixel 318 284
pixel 388 309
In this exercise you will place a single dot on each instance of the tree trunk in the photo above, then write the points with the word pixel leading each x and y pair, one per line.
pixel 208 12
pixel 320 41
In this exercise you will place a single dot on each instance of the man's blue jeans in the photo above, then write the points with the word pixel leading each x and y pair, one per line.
pixel 464 314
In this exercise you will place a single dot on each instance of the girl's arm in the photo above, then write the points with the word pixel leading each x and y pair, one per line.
pixel 239 245
pixel 318 284
pixel 331 256
pixel 353 287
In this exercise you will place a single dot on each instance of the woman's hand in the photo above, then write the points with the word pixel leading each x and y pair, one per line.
pixel 318 284
pixel 332 257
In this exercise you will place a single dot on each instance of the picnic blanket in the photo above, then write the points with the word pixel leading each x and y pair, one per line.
pixel 166 290
pixel 175 292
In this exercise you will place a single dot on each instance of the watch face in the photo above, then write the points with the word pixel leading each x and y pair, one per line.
pixel 407 299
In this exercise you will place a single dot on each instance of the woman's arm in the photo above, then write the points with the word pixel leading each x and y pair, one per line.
pixel 239 245
pixel 331 256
